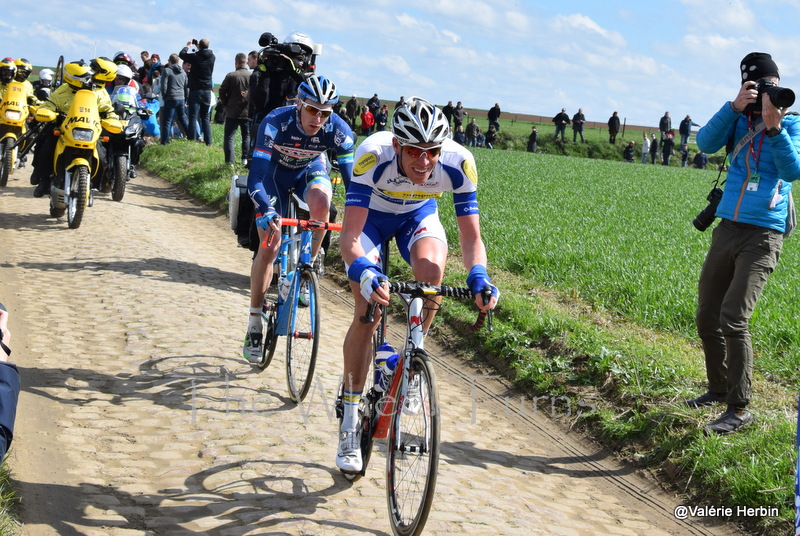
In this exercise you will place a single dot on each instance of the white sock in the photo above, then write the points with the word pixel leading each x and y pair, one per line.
pixel 254 322
pixel 351 401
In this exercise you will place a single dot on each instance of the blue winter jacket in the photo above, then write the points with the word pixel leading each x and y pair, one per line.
pixel 775 159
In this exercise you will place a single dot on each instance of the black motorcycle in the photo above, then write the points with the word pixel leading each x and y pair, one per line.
pixel 123 149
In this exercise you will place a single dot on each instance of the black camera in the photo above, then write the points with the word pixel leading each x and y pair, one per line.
pixel 270 54
pixel 781 97
pixel 708 214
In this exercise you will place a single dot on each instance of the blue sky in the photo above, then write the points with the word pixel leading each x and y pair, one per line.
pixel 638 58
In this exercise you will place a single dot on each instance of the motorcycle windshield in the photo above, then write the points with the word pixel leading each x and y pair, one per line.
pixel 13 109
pixel 126 96
pixel 83 117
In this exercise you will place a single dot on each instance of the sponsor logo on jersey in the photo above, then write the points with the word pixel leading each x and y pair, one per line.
pixel 270 131
pixel 365 163
pixel 261 153
pixel 468 166
pixel 413 195
pixel 420 230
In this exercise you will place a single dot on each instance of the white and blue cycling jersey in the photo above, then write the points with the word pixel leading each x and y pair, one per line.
pixel 401 209
pixel 286 157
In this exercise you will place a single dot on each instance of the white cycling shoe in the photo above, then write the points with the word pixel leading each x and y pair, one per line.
pixel 348 457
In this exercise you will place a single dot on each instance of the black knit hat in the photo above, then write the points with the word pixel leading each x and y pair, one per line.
pixel 756 66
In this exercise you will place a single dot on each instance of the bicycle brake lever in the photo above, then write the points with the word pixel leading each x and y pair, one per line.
pixel 369 317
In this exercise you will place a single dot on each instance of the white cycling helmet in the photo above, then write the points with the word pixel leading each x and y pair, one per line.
pixel 301 39
pixel 419 121
pixel 124 71
pixel 46 74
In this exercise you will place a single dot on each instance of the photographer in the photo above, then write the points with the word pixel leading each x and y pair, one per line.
pixel 762 143
pixel 201 58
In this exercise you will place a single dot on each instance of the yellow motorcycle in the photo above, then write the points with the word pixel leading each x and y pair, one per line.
pixel 14 112
pixel 75 161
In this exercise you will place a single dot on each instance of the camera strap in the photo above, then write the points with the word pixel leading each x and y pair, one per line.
pixel 747 138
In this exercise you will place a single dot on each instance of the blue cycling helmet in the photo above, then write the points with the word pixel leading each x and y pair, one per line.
pixel 318 89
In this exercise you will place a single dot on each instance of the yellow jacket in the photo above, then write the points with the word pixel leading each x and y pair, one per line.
pixel 62 96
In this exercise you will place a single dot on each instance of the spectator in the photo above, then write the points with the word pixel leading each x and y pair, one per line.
pixel 746 245
pixel 401 102
pixel 155 66
pixel 174 91
pixel 613 128
pixel 252 60
pixel 561 120
pixel 667 148
pixel 665 126
pixel 367 121
pixel 472 132
pixel 533 139
pixel 459 135
pixel 653 149
pixel 351 109
pixel 233 96
pixel 374 104
pixel 684 155
pixel 491 137
pixel 447 110
pixel 645 147
pixel 700 160
pixel 577 126
pixel 144 70
pixel 627 153
pixel 9 387
pixel 494 116
pixel 381 118
pixel 458 115
pixel 685 129
pixel 201 60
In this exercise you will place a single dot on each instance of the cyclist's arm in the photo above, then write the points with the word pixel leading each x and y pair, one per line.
pixel 352 252
pixel 473 251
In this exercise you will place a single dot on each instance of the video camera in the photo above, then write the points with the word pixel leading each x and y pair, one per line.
pixel 271 53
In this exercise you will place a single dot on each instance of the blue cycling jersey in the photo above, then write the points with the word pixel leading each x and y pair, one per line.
pixel 286 157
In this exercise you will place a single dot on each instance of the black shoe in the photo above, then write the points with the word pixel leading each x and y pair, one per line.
pixel 729 422
pixel 706 399
pixel 42 188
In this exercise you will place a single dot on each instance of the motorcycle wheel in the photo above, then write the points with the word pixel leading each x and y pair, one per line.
pixel 56 212
pixel 7 156
pixel 120 177
pixel 78 197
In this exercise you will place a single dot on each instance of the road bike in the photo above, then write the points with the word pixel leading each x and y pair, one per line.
pixel 291 308
pixel 407 413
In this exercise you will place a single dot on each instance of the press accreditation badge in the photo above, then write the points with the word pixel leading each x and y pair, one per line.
pixel 752 182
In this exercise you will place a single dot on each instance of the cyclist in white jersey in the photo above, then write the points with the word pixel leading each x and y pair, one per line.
pixel 397 178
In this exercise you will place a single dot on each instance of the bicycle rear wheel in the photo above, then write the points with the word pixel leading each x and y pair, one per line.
pixel 302 340
pixel 412 459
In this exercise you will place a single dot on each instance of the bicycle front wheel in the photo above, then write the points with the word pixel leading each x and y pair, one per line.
pixel 302 340
pixel 412 459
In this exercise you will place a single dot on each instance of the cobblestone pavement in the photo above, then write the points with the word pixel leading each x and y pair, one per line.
pixel 139 416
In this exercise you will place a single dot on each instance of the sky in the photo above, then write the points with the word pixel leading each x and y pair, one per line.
pixel 640 59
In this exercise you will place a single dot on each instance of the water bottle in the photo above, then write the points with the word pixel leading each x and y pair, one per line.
pixel 284 284
pixel 385 363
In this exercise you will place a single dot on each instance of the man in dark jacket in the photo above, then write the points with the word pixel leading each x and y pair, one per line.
pixel 201 60
pixel 447 110
pixel 174 92
pixel 561 120
pixel 494 116
pixel 613 128
pixel 664 126
pixel 9 387
pixel 233 95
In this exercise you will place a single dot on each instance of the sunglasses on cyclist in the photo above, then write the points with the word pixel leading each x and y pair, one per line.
pixel 415 151
pixel 313 110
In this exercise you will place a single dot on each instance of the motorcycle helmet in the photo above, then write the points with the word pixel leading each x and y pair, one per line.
pixel 124 74
pixel 419 121
pixel 104 69
pixel 24 69
pixel 7 70
pixel 46 75
pixel 301 39
pixel 318 89
pixel 78 75
pixel 120 58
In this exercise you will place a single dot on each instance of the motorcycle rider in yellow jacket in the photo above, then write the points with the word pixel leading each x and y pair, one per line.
pixel 7 72
pixel 77 75
pixel 24 70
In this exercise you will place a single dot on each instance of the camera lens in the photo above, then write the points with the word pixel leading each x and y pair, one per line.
pixel 781 97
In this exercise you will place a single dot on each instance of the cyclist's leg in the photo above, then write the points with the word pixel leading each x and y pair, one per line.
pixel 317 193
pixel 423 244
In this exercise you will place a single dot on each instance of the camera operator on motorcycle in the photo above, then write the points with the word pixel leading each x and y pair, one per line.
pixel 43 86
pixel 77 75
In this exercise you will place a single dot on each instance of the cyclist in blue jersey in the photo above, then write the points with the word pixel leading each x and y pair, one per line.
pixel 398 177
pixel 290 153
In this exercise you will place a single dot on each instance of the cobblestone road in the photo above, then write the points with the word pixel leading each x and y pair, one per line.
pixel 139 416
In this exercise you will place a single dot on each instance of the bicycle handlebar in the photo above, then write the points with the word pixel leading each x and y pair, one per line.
pixel 424 290
pixel 303 224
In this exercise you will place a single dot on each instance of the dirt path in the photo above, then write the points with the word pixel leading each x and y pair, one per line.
pixel 138 415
